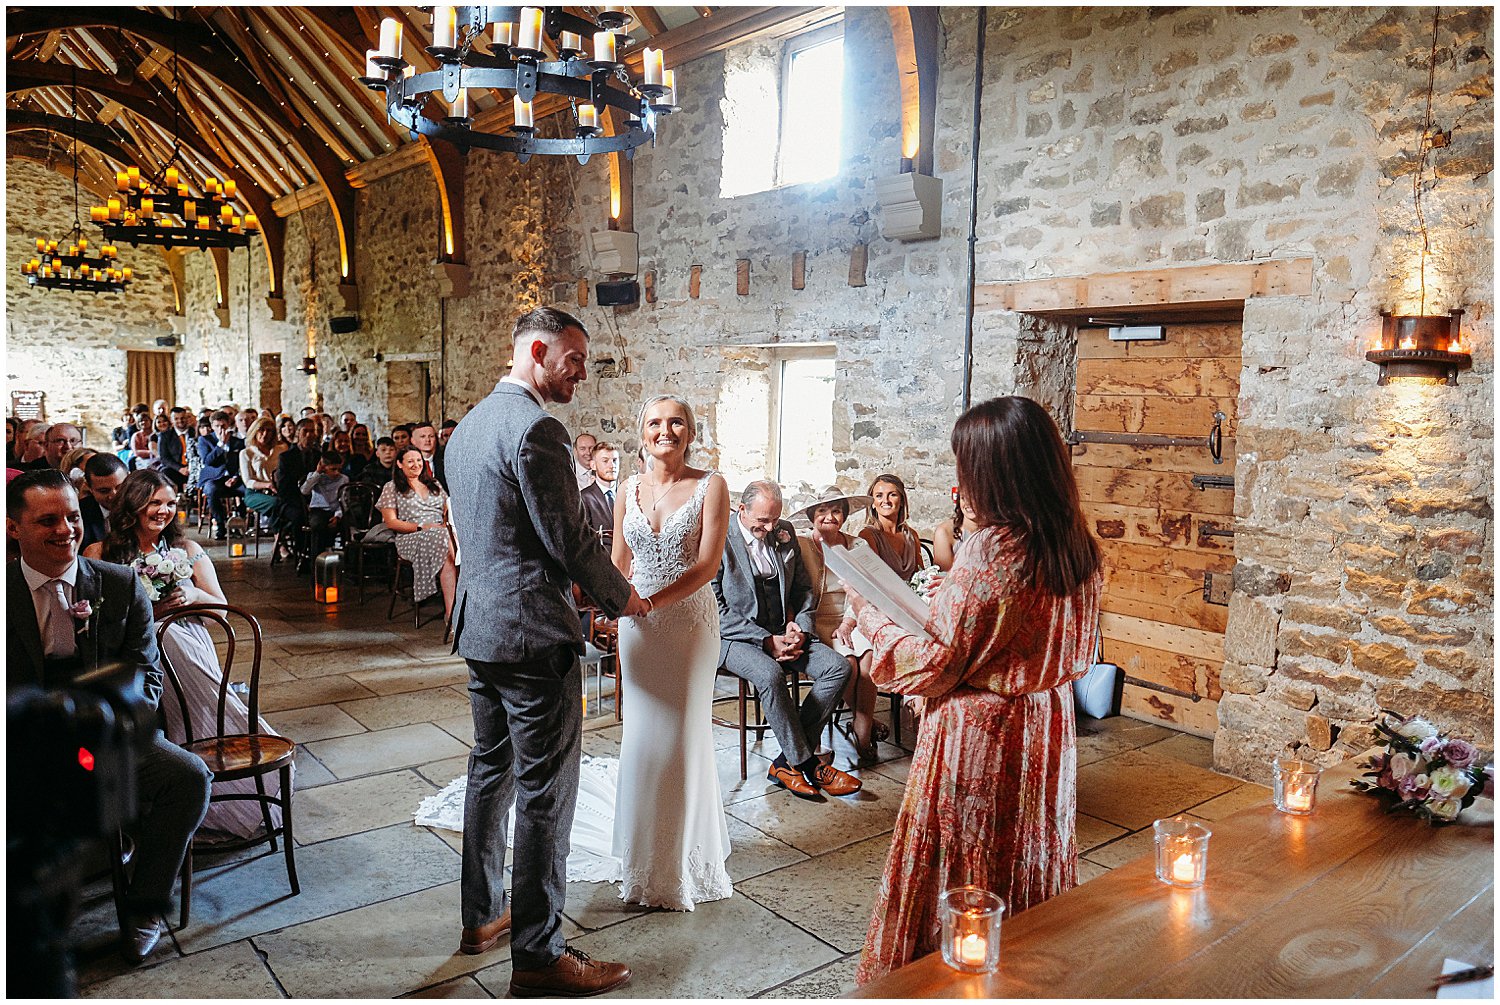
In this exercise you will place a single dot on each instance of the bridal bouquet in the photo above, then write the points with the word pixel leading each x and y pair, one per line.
pixel 926 582
pixel 161 572
pixel 1433 775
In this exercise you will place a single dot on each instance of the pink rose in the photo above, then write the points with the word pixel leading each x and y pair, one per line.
pixel 83 610
pixel 1430 746
pixel 1460 753
pixel 1413 787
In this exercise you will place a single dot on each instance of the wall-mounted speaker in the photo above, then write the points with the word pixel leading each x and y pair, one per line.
pixel 618 294
pixel 169 341
pixel 343 324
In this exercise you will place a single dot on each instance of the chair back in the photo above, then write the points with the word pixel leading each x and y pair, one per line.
pixel 927 554
pixel 236 626
pixel 357 500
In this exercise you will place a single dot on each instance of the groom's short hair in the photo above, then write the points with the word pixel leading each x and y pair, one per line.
pixel 545 321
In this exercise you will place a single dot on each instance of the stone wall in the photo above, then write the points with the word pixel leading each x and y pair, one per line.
pixel 70 345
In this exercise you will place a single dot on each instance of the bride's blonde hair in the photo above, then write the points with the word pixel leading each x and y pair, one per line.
pixel 640 422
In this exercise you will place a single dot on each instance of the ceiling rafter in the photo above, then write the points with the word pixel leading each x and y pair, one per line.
pixel 334 86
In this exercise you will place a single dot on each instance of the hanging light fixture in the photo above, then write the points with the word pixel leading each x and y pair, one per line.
pixel 67 264
pixel 161 209
pixel 518 62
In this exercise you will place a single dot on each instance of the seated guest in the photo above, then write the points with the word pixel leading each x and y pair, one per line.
pixel 583 452
pixel 361 450
pixel 172 446
pixel 445 431
pixel 766 630
pixel 258 463
pixel 121 434
pixel 45 649
pixel 401 436
pixel 291 471
pixel 424 438
pixel 347 421
pixel 379 470
pixel 991 796
pixel 951 532
pixel 220 477
pixel 328 426
pixel 833 621
pixel 308 412
pixel 60 438
pixel 342 443
pixel 415 507
pixel 145 522
pixel 286 431
pixel 33 442
pixel 72 466
pixel 886 529
pixel 243 420
pixel 12 442
pixel 599 494
pixel 159 406
pixel 103 474
pixel 141 445
pixel 321 490
pixel 195 460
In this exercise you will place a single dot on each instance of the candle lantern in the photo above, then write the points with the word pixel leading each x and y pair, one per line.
pixel 1429 346
pixel 237 549
pixel 326 577
pixel 1182 852
pixel 971 929
pixel 1295 789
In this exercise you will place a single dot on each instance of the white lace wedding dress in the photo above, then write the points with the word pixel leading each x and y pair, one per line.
pixel 670 831
pixel 654 819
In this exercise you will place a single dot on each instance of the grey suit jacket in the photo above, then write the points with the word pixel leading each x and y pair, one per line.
pixel 521 531
pixel 121 629
pixel 734 586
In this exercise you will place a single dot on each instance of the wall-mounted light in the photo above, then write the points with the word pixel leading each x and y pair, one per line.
pixel 1420 345
pixel 309 365
pixel 203 368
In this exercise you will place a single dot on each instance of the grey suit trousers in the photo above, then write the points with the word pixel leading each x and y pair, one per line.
pixel 796 730
pixel 174 785
pixel 528 727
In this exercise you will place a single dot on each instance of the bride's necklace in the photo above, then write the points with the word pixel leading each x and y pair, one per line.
pixel 657 497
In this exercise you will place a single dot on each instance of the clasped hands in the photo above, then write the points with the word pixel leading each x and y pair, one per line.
pixel 787 646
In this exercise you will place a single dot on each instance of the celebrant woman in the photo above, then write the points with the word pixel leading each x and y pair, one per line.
pixel 991 796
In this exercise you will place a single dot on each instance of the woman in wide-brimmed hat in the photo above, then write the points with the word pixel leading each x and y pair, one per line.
pixel 825 511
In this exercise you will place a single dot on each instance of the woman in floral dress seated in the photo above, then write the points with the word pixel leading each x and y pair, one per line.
pixel 143 524
pixel 991 798
pixel 415 507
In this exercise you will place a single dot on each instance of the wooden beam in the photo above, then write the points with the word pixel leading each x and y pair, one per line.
pixel 650 20
pixel 917 34
pixel 221 275
pixel 1210 285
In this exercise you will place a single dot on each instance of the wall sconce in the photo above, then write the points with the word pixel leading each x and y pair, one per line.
pixel 309 365
pixel 203 368
pixel 616 252
pixel 1420 345
pixel 911 206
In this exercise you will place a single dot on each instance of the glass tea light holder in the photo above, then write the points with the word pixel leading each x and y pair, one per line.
pixel 236 549
pixel 1295 789
pixel 971 929
pixel 1182 852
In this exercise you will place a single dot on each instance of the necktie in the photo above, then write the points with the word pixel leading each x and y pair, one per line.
pixel 58 637
pixel 609 497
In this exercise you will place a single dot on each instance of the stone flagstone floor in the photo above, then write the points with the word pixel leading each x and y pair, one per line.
pixel 382 718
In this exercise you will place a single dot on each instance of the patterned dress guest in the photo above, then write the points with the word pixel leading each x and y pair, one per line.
pixel 991 798
pixel 415 507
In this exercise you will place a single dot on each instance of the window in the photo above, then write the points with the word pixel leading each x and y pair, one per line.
pixel 812 106
pixel 804 421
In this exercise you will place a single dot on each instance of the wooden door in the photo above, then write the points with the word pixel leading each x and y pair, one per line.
pixel 1161 535
pixel 270 382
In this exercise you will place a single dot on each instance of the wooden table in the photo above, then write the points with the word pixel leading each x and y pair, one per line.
pixel 1348 902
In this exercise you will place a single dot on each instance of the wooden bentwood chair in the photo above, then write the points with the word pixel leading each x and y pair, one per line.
pixel 233 756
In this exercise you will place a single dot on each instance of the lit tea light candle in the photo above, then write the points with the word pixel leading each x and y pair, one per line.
pixel 1300 801
pixel 444 27
pixel 522 111
pixel 1295 788
pixel 236 549
pixel 970 919
pixel 1183 869
pixel 572 40
pixel 530 36
pixel 390 38
pixel 604 47
pixel 1181 852
pixel 588 117
pixel 1408 343
pixel 972 950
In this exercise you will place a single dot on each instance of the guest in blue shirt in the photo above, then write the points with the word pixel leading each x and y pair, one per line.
pixel 321 489
pixel 219 477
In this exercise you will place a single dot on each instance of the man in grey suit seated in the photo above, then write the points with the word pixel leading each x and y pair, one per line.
pixel 766 624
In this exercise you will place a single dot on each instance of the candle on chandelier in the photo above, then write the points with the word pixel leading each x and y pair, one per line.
pixel 505 33
pixel 122 181
pixel 588 117
pixel 97 214
pixel 226 213
pixel 460 109
pixel 171 178
pixel 373 69
pixel 189 210
pixel 212 185
pixel 604 47
pixel 230 188
pixel 148 208
pixel 530 29
pixel 522 112
pixel 251 223
pixel 202 223
pixel 572 40
pixel 126 273
pixel 114 209
pixel 41 244
pixel 654 65
pixel 444 27
pixel 390 38
pixel 133 174
pixel 669 81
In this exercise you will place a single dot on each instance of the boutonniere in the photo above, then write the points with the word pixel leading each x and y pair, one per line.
pixel 783 537
pixel 82 612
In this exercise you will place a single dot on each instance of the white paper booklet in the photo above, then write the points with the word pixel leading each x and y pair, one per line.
pixel 862 569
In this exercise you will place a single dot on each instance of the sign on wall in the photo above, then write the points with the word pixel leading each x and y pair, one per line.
pixel 28 404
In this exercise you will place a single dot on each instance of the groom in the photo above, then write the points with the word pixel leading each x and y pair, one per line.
pixel 516 510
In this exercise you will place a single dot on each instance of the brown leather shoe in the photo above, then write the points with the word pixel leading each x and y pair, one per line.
pixel 791 779
pixel 835 782
pixel 482 939
pixel 571 975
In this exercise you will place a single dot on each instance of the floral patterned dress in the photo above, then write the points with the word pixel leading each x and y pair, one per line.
pixel 991 799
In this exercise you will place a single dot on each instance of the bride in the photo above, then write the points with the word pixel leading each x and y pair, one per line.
pixel 670 525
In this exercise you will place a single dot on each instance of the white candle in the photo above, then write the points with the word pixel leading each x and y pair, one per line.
pixel 1183 869
pixel 390 38
pixel 604 47
pixel 460 105
pixel 572 40
pixel 522 111
pixel 1299 799
pixel 531 29
pixel 134 175
pixel 230 188
pixel 372 69
pixel 171 179
pixel 122 181
pixel 653 65
pixel 588 117
pixel 148 208
pixel 505 33
pixel 444 27
pixel 669 81
pixel 972 950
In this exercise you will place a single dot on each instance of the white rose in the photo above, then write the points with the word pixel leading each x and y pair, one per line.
pixel 1416 730
pixel 1444 809
pixel 1402 765
pixel 1450 783
pixel 153 560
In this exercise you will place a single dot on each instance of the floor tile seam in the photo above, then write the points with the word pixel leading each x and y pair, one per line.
pixel 265 961
pixel 815 970
pixel 451 980
pixel 825 851
pixel 800 928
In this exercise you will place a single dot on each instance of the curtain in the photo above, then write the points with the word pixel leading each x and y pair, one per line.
pixel 149 376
